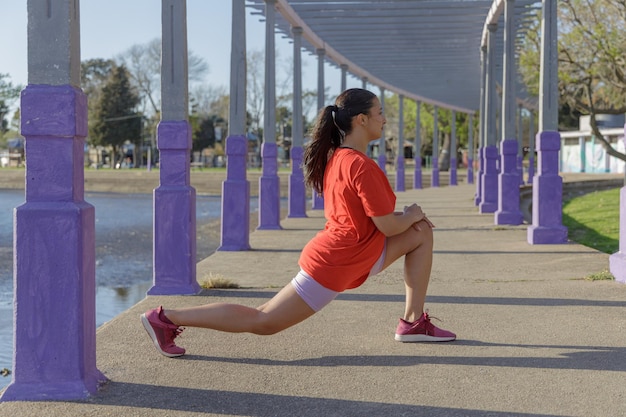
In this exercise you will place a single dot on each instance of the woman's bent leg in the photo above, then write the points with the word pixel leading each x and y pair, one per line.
pixel 417 248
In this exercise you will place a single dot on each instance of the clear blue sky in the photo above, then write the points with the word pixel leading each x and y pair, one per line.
pixel 109 27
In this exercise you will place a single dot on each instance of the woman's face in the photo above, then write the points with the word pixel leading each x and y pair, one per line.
pixel 375 120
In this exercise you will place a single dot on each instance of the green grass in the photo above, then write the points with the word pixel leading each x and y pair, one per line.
pixel 593 220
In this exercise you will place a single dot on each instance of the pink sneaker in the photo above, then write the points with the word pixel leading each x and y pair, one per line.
pixel 162 333
pixel 422 330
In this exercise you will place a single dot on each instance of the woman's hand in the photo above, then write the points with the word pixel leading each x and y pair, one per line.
pixel 415 210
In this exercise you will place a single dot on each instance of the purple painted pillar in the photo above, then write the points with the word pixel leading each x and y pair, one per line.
pixel 400 173
pixel 434 178
pixel 317 201
pixel 297 190
pixel 235 231
pixel 453 174
pixel 489 183
pixel 417 173
pixel 174 214
pixel 479 177
pixel 417 154
pixel 508 183
pixel 470 149
pixel 547 227
pixel 617 261
pixel 269 189
pixel 531 168
pixel 235 228
pixel 434 175
pixel 54 254
pixel 531 148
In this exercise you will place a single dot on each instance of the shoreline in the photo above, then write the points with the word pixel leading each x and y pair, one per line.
pixel 141 181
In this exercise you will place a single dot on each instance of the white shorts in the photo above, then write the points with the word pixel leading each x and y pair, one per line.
pixel 316 295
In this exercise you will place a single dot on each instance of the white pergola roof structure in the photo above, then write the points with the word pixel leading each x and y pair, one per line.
pixel 427 50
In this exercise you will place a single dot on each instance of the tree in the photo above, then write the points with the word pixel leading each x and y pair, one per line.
pixel 256 89
pixel 592 51
pixel 115 118
pixel 94 75
pixel 204 134
pixel 143 62
pixel 9 93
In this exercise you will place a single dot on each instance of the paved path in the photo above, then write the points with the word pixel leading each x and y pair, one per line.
pixel 534 337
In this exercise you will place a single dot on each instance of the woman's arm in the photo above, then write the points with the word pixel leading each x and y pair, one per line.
pixel 396 223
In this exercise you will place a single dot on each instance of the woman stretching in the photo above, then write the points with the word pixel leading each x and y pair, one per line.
pixel 362 236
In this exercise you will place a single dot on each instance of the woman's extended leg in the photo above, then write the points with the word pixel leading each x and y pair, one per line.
pixel 284 310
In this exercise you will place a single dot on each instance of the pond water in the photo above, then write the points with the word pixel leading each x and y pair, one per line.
pixel 123 254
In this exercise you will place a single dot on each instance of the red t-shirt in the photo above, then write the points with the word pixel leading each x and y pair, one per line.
pixel 355 189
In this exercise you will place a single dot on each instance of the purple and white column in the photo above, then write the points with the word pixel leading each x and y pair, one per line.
pixel 317 201
pixel 482 130
pixel 434 176
pixel 617 261
pixel 489 180
pixel 470 148
pixel 453 146
pixel 54 316
pixel 400 182
pixel 547 227
pixel 382 143
pixel 509 177
pixel 174 199
pixel 417 148
pixel 297 190
pixel 235 231
pixel 269 182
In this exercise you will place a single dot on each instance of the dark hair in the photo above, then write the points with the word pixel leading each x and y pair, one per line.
pixel 332 125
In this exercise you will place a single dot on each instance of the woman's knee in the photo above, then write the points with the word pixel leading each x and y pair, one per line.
pixel 422 236
pixel 265 324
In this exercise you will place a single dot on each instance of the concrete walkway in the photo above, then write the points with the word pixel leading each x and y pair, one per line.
pixel 534 337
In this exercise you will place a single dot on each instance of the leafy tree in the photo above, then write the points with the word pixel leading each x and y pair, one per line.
pixel 592 51
pixel 203 135
pixel 94 74
pixel 9 93
pixel 115 118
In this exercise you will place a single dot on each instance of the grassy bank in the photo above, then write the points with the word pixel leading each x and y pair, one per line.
pixel 593 220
